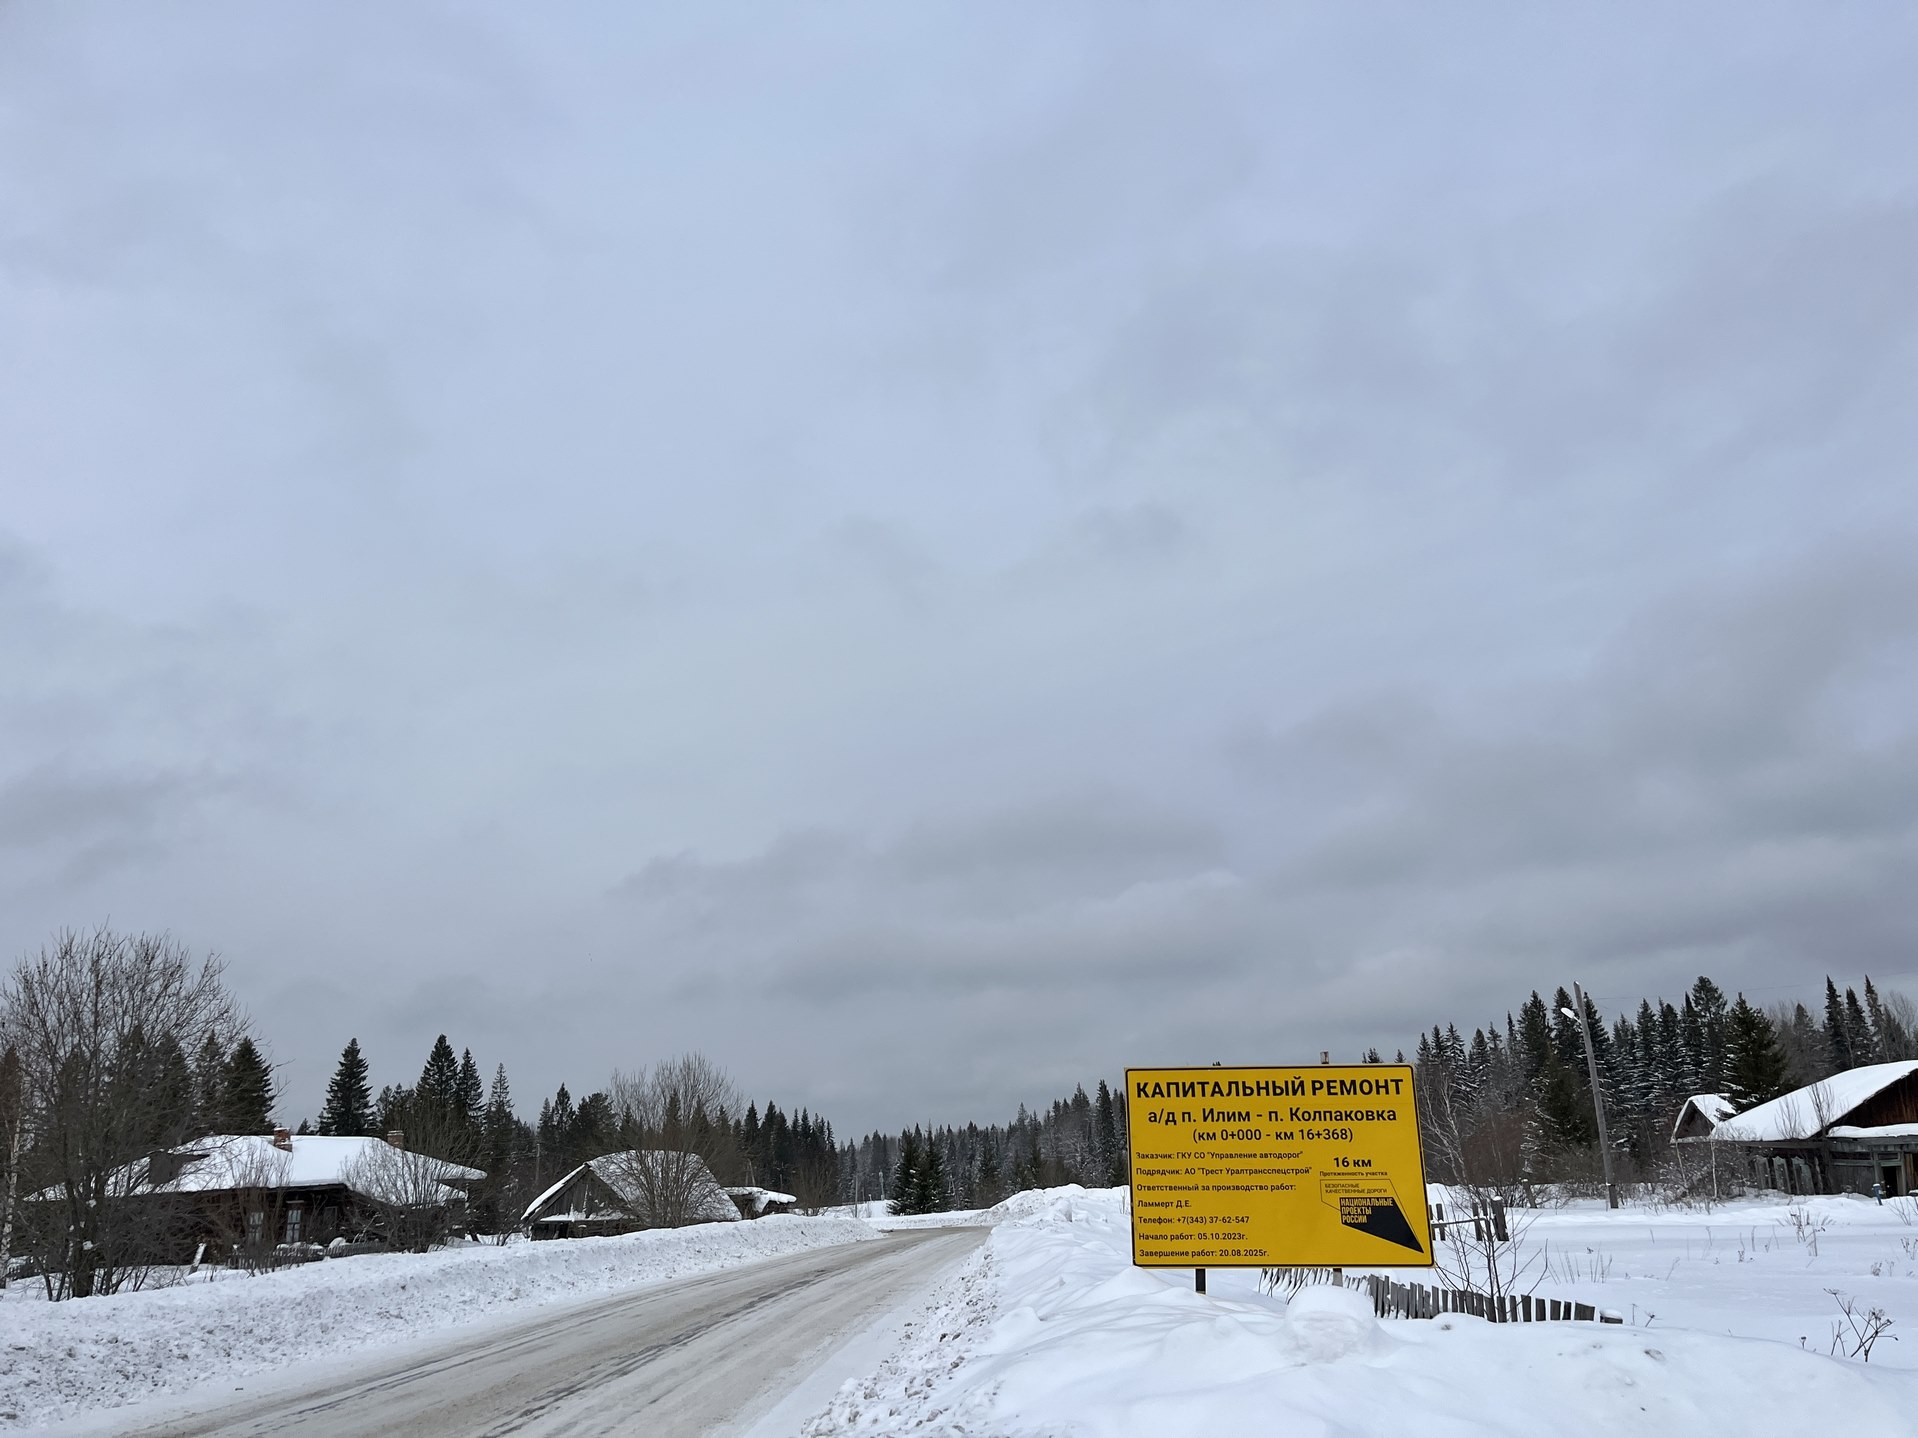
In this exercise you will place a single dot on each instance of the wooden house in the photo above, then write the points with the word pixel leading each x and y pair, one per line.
pixel 1844 1134
pixel 609 1194
pixel 262 1194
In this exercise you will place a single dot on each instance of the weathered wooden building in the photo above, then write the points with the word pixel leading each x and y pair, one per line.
pixel 1699 1119
pixel 259 1193
pixel 755 1202
pixel 622 1192
pixel 1843 1134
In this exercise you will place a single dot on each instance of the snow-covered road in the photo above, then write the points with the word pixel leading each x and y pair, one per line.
pixel 703 1355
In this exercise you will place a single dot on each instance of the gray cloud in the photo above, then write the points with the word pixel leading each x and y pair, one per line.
pixel 1082 539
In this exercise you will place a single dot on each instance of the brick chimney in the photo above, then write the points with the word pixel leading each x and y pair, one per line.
pixel 397 1137
pixel 283 1139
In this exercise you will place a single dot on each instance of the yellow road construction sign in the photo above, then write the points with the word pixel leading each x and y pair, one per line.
pixel 1244 1167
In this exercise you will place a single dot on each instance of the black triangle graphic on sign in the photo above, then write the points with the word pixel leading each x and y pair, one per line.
pixel 1385 1219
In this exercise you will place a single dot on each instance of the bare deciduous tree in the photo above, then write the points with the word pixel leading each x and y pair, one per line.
pixel 1473 1256
pixel 255 1172
pixel 13 1127
pixel 91 1018
pixel 815 1185
pixel 416 1197
pixel 674 1115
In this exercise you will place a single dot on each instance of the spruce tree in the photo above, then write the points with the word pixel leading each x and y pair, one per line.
pixel 393 1110
pixel 348 1110
pixel 1610 1080
pixel 1804 1047
pixel 988 1188
pixel 1534 1039
pixel 1863 1041
pixel 1677 1081
pixel 905 1189
pixel 1565 1107
pixel 1875 1013
pixel 1107 1129
pixel 174 1103
pixel 498 1128
pixel 246 1097
pixel 1756 1067
pixel 1566 1043
pixel 595 1128
pixel 436 1096
pixel 470 1094
pixel 931 1192
pixel 209 1086
pixel 750 1148
pixel 1838 1044
pixel 556 1124
pixel 1706 1005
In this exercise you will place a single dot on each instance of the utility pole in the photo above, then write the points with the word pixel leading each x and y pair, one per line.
pixel 1598 1096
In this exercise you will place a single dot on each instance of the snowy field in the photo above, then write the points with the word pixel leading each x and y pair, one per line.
pixel 1729 1322
pixel 1052 1331
pixel 62 1359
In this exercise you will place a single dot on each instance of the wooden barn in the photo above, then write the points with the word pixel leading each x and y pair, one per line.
pixel 756 1202
pixel 1843 1134
pixel 1699 1119
pixel 609 1194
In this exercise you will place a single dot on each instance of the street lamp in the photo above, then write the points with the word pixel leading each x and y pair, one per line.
pixel 1598 1098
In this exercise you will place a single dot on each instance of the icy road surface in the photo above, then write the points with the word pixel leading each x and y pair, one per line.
pixel 706 1355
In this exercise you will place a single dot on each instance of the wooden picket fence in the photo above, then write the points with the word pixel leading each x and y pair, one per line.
pixel 1392 1299
pixel 1487 1219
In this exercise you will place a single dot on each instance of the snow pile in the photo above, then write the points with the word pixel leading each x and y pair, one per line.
pixel 58 1359
pixel 1052 1331
pixel 879 1214
pixel 1070 1204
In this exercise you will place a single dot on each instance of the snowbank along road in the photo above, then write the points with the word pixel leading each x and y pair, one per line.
pixel 705 1355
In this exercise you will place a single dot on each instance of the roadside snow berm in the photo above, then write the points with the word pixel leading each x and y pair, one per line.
pixel 1328 1324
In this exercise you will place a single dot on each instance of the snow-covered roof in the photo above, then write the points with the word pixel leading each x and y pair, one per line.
pixel 1714 1108
pixel 247 1160
pixel 760 1198
pixel 1806 1112
pixel 615 1170
pixel 309 1161
pixel 1883 1130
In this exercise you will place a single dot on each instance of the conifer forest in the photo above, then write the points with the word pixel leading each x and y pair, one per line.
pixel 1508 1105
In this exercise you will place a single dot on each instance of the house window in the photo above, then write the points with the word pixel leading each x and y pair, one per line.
pixel 293 1216
pixel 255 1226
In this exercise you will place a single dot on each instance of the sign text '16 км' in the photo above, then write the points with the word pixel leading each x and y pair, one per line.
pixel 1245 1167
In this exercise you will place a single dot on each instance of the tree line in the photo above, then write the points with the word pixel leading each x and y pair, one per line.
pixel 1513 1104
pixel 113 1047
pixel 925 1169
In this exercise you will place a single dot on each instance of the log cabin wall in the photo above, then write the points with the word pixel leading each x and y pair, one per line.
pixel 1897 1104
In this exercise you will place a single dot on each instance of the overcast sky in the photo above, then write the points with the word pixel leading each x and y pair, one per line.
pixel 932 553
